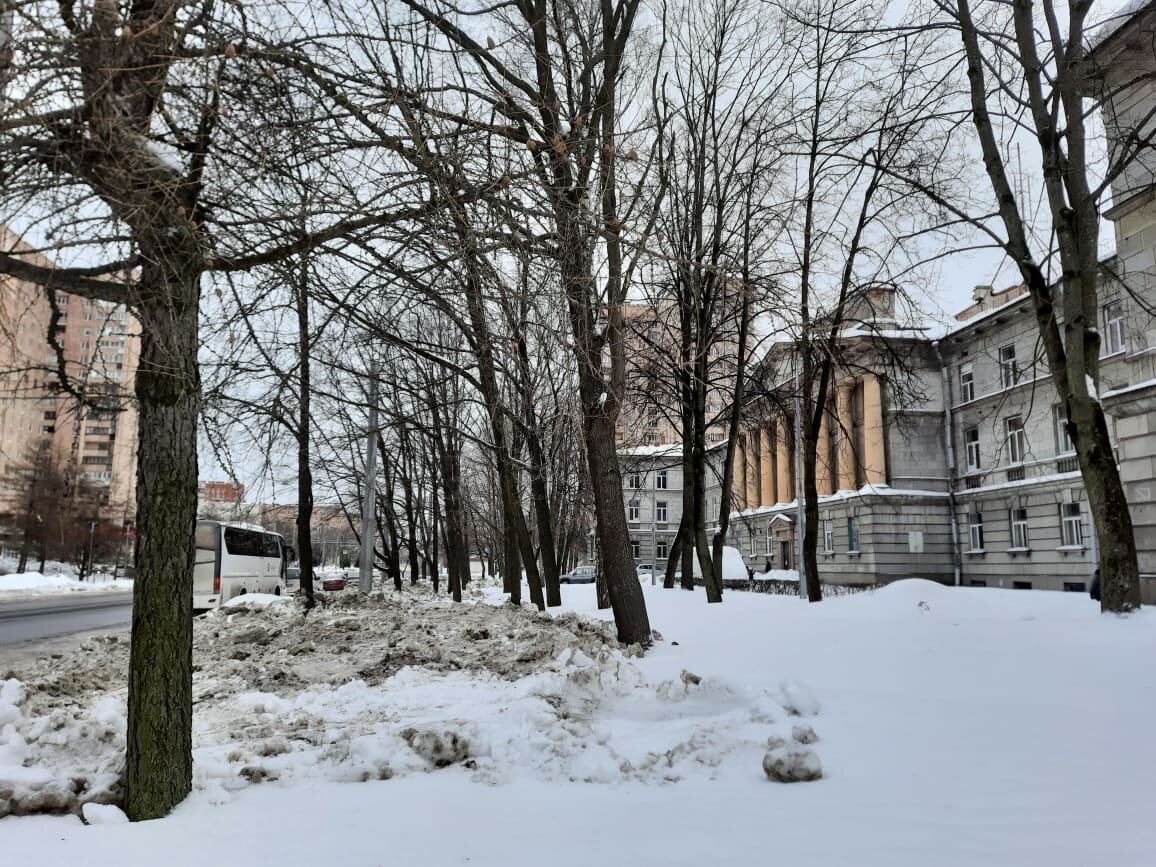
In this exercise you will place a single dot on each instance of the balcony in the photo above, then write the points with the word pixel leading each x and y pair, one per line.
pixel 1015 474
pixel 972 482
pixel 1069 464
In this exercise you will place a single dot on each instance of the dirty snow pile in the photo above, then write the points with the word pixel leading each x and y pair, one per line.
pixel 373 689
pixel 19 584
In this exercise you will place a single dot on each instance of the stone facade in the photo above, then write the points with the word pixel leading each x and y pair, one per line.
pixel 652 493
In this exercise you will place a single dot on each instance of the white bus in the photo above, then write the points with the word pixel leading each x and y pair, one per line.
pixel 232 559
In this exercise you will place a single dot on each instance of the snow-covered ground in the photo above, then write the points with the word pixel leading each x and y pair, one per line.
pixel 955 727
pixel 29 585
pixel 57 577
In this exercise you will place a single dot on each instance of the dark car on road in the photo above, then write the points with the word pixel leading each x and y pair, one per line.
pixel 580 575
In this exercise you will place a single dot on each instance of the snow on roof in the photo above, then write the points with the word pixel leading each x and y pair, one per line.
pixel 1139 386
pixel 667 450
pixel 1022 483
pixel 985 315
pixel 1116 22
pixel 865 491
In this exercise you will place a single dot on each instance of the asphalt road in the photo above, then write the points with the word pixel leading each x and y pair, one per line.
pixel 45 618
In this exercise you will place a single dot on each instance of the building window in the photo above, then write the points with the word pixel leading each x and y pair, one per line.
pixel 971 447
pixel 966 383
pixel 1063 441
pixel 852 535
pixel 1113 329
pixel 660 511
pixel 635 549
pixel 828 536
pixel 634 481
pixel 1017 439
pixel 632 512
pixel 1075 587
pixel 661 550
pixel 660 480
pixel 1019 528
pixel 1009 371
pixel 1021 585
pixel 975 530
pixel 1071 525
pixel 973 582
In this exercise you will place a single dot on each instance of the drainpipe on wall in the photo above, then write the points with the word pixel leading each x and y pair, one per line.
pixel 956 557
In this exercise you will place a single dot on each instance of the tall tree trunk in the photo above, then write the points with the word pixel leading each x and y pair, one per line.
pixel 811 520
pixel 304 432
pixel 710 561
pixel 540 495
pixel 511 568
pixel 158 757
pixel 676 552
pixel 1073 355
pixel 601 589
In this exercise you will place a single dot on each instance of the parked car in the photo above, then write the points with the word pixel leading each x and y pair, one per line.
pixel 580 575
pixel 332 581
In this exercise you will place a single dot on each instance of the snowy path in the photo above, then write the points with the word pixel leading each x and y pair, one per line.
pixel 957 727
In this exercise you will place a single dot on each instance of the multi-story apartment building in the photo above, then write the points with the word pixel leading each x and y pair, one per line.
pixel 89 427
pixel 1020 506
pixel 650 414
pixel 652 491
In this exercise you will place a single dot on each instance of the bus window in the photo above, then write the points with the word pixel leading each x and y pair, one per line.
pixel 243 543
pixel 205 542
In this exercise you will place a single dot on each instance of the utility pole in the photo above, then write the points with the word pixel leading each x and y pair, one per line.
pixel 369 501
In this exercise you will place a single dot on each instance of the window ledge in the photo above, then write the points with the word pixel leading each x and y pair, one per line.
pixel 1014 551
pixel 978 551
pixel 854 553
pixel 1068 549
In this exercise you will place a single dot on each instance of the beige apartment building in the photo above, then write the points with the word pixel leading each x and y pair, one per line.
pixel 90 427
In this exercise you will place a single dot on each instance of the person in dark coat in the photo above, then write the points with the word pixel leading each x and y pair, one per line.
pixel 1094 590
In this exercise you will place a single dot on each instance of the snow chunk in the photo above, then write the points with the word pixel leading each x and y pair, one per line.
pixel 792 765
pixel 254 600
pixel 797 699
pixel 103 814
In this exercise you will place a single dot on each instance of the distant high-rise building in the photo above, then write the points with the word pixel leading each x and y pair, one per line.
pixel 87 418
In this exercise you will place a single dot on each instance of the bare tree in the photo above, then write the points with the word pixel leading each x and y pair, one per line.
pixel 717 101
pixel 115 143
pixel 862 103
pixel 1027 70
pixel 553 86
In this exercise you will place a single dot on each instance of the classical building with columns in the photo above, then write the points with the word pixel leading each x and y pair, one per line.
pixel 880 472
